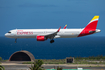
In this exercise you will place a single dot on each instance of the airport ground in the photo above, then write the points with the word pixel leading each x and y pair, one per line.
pixel 19 66
pixel 85 63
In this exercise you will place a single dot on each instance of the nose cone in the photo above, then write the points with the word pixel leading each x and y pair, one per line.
pixel 6 35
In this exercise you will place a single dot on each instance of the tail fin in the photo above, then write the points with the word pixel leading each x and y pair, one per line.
pixel 90 28
pixel 93 23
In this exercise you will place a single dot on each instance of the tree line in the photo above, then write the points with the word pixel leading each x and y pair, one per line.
pixel 99 57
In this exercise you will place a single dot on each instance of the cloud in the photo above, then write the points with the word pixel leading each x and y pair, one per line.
pixel 36 5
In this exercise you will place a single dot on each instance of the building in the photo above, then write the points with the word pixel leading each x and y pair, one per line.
pixel 69 59
pixel 22 56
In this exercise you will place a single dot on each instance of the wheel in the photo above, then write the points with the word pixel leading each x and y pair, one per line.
pixel 51 41
pixel 16 40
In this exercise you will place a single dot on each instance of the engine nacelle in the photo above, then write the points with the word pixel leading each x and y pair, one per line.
pixel 40 38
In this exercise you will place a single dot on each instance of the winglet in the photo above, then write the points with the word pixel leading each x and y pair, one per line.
pixel 65 26
pixel 59 29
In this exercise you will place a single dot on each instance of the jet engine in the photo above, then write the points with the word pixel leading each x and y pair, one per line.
pixel 41 38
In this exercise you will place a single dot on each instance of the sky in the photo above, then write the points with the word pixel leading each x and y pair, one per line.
pixel 47 14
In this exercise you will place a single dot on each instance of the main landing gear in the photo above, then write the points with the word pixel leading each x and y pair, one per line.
pixel 15 40
pixel 51 41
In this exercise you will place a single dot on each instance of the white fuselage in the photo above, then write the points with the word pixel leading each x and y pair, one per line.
pixel 32 33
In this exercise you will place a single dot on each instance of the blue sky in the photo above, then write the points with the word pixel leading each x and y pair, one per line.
pixel 39 14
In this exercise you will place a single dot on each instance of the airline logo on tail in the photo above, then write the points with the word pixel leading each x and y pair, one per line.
pixel 90 28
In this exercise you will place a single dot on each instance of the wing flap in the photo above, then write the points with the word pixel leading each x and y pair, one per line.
pixel 50 35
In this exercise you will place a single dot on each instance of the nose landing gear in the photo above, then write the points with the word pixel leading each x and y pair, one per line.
pixel 15 40
pixel 51 41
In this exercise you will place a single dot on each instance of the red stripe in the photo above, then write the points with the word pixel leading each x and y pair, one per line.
pixel 65 27
pixel 90 27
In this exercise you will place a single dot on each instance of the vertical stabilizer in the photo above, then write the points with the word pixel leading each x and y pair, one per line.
pixel 93 23
pixel 90 28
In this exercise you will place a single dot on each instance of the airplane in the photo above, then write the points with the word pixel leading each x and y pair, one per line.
pixel 44 34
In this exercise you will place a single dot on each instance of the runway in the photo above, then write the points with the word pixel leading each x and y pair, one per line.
pixel 49 66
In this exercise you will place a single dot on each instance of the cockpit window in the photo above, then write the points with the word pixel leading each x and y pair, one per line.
pixel 9 32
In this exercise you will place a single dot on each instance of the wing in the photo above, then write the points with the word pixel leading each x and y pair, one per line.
pixel 51 35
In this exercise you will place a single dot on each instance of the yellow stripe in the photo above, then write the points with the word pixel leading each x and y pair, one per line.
pixel 95 17
pixel 66 25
